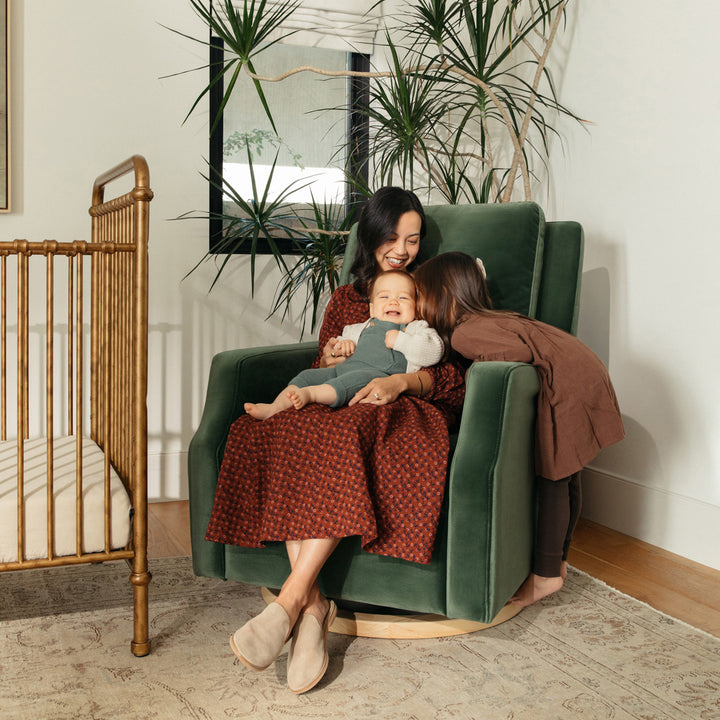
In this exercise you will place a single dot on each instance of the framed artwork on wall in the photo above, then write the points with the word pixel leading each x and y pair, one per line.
pixel 4 106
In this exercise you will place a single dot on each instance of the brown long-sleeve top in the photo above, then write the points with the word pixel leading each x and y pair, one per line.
pixel 578 412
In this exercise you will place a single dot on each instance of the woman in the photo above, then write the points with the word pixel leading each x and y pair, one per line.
pixel 578 413
pixel 310 477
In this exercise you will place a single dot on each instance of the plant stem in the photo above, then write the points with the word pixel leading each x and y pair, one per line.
pixel 541 62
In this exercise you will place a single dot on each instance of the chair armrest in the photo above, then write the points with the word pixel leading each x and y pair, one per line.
pixel 491 489
pixel 236 377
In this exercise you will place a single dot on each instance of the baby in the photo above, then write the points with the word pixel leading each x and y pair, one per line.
pixel 391 341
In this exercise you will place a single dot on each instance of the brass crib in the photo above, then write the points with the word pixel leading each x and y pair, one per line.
pixel 73 351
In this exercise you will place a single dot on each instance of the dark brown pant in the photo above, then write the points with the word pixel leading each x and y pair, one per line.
pixel 558 510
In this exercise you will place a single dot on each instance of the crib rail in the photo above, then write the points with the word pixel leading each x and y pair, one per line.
pixel 93 321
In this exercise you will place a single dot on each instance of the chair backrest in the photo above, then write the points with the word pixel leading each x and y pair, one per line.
pixel 559 300
pixel 533 267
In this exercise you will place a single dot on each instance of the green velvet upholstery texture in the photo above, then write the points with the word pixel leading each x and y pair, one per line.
pixel 483 548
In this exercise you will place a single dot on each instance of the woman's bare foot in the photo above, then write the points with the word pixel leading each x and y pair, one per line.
pixel 262 411
pixel 535 588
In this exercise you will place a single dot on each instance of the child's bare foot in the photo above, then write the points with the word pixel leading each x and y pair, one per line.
pixel 535 588
pixel 262 411
pixel 563 569
pixel 299 397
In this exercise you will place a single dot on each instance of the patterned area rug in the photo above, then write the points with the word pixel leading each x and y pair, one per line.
pixel 588 652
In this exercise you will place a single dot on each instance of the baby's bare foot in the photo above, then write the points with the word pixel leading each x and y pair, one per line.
pixel 298 397
pixel 262 411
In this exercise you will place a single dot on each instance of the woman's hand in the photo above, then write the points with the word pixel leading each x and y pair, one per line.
pixel 381 391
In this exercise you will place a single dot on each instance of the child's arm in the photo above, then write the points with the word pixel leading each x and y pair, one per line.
pixel 420 344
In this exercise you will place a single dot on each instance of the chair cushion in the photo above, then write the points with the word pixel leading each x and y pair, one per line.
pixel 509 239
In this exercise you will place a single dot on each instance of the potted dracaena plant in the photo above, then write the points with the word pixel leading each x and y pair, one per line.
pixel 464 113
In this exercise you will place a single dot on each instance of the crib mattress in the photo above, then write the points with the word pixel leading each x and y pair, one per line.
pixel 64 495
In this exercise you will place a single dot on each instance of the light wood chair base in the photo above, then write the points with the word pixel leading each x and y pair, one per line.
pixel 405 627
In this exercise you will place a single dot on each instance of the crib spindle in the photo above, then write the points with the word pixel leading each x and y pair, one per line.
pixel 3 345
pixel 49 369
pixel 22 374
pixel 79 404
pixel 24 334
pixel 70 338
pixel 107 358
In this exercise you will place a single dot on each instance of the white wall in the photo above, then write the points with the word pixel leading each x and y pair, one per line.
pixel 87 93
pixel 643 181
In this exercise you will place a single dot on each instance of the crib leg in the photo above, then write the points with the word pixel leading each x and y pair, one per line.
pixel 140 644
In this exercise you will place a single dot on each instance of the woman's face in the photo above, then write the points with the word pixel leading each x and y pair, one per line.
pixel 402 248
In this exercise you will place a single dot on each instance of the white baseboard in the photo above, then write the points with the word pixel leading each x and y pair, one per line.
pixel 675 523
pixel 167 476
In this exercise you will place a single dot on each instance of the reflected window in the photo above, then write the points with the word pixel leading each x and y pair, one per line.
pixel 315 127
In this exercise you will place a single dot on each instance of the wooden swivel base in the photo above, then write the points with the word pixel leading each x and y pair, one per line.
pixel 406 627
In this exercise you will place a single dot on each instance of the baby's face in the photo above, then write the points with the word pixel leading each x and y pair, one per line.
pixel 393 299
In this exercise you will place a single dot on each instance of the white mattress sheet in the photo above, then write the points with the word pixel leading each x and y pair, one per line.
pixel 35 487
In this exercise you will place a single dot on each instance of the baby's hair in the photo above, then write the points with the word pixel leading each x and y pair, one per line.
pixel 385 273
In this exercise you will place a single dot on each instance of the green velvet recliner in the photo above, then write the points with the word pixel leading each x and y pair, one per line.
pixel 483 548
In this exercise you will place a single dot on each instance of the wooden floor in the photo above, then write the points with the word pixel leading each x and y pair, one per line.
pixel 670 583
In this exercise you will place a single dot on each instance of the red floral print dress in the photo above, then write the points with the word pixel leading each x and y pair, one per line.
pixel 374 471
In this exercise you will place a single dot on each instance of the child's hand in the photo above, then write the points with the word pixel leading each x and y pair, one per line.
pixel 344 348
pixel 328 357
pixel 391 338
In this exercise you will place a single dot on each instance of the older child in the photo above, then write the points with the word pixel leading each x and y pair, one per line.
pixel 578 412
pixel 391 341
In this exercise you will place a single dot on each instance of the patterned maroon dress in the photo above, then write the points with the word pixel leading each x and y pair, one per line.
pixel 368 470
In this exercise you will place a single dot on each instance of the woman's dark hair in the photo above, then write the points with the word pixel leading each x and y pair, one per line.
pixel 376 226
pixel 449 286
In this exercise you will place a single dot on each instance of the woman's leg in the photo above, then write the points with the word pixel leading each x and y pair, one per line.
pixel 308 657
pixel 258 643
pixel 301 592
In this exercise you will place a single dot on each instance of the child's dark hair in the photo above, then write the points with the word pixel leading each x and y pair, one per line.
pixel 449 286
pixel 376 226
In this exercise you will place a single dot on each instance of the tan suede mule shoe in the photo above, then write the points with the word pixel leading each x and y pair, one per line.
pixel 260 640
pixel 308 657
